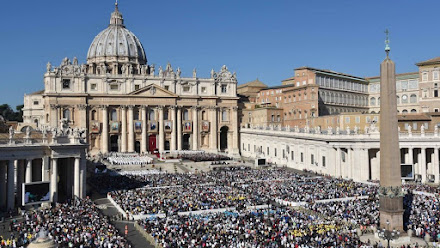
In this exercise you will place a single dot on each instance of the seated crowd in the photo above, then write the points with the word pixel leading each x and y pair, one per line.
pixel 128 159
pixel 279 227
pixel 73 224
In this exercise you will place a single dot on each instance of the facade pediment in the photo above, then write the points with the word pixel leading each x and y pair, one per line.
pixel 153 90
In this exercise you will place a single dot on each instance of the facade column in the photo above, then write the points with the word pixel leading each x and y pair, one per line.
pixel 11 186
pixel 28 171
pixel 124 129
pixel 83 176
pixel 235 149
pixel 161 131
pixel 423 164
pixel 195 125
pixel 435 161
pixel 54 180
pixel 3 184
pixel 179 128
pixel 130 129
pixel 104 132
pixel 144 129
pixel 83 115
pixel 213 130
pixel 173 128
pixel 76 176
pixel 54 115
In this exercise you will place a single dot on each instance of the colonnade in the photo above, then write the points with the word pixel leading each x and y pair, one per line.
pixel 15 172
pixel 354 157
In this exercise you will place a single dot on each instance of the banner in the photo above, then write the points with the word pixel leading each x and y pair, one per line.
pixel 205 126
pixel 187 126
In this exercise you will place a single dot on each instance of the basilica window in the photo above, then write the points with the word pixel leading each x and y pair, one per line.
pixel 113 115
pixel 152 115
pixel 66 83
pixel 66 114
pixel 203 89
pixel 36 102
pixel 93 86
pixel 185 115
pixel 136 86
pixel 186 88
pixel 165 114
pixel 413 98
pixel 224 115
pixel 413 111
pixel 114 87
pixel 93 115
pixel 225 88
pixel 167 87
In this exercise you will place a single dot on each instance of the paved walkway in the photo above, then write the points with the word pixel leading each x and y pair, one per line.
pixel 134 236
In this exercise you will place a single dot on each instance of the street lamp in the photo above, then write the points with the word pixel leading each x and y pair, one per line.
pixel 388 234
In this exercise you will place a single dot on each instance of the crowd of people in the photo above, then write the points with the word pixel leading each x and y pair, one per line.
pixel 128 159
pixel 77 223
pixel 203 156
pixel 278 227
pixel 171 194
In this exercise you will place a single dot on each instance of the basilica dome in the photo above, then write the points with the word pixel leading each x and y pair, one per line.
pixel 116 44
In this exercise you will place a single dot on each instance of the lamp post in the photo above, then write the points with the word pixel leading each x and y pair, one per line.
pixel 388 234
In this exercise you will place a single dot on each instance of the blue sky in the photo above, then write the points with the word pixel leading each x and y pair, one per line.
pixel 257 39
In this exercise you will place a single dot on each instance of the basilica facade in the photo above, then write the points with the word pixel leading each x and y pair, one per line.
pixel 128 105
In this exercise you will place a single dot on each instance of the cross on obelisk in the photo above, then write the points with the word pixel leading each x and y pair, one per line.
pixel 390 191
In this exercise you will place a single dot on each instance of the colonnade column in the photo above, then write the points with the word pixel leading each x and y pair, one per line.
pixel 338 163
pixel 422 164
pixel 83 177
pixel 173 128
pixel 54 180
pixel 28 178
pixel 179 128
pixel 195 125
pixel 161 131
pixel 144 129
pixel 363 164
pixel 235 149
pixel 11 186
pixel 76 179
pixel 213 130
pixel 410 156
pixel 44 166
pixel 130 129
pixel 104 132
pixel 124 129
pixel 20 180
pixel 436 165
pixel 3 185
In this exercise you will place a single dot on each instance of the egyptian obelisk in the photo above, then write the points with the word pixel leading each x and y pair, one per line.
pixel 390 193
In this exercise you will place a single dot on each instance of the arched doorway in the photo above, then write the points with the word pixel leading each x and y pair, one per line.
pixel 224 138
pixel 137 147
pixel 167 145
pixel 185 142
pixel 114 143
pixel 152 143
